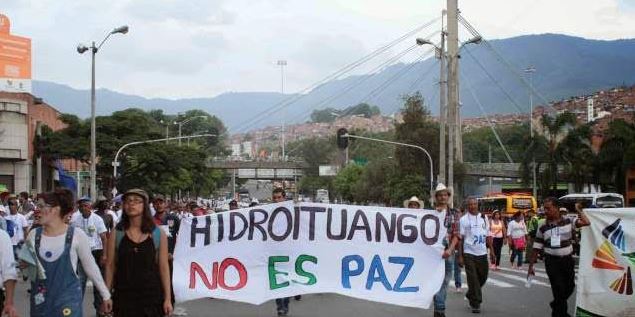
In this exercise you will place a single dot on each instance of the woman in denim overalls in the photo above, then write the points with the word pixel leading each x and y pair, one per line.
pixel 59 293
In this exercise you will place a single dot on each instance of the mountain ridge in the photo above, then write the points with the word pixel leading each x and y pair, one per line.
pixel 566 66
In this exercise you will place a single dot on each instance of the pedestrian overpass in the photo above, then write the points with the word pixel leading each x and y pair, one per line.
pixel 272 169
pixel 266 169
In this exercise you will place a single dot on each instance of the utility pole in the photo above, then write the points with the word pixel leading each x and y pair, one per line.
pixel 93 130
pixel 531 70
pixel 489 154
pixel 453 98
pixel 443 115
pixel 282 64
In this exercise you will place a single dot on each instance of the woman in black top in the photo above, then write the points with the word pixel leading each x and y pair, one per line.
pixel 139 272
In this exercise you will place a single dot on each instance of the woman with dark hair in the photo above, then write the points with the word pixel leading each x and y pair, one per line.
pixel 138 268
pixel 59 247
pixel 498 233
pixel 517 232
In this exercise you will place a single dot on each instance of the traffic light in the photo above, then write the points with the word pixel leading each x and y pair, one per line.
pixel 342 142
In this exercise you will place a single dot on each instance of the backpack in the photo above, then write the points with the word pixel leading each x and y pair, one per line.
pixel 156 239
pixel 10 227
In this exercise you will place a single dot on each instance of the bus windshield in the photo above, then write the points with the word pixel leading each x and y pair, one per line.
pixel 491 204
pixel 609 202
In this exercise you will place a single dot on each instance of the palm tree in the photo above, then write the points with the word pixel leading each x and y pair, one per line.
pixel 617 154
pixel 557 141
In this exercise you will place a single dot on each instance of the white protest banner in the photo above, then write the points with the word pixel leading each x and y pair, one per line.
pixel 280 250
pixel 607 261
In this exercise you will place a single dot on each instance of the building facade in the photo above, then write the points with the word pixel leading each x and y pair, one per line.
pixel 20 116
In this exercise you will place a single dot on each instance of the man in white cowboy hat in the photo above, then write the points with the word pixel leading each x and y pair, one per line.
pixel 451 220
pixel 413 203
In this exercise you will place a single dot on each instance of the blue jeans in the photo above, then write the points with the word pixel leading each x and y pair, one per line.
pixel 457 270
pixel 518 253
pixel 439 297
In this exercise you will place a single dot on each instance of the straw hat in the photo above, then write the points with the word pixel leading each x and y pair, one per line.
pixel 441 188
pixel 413 199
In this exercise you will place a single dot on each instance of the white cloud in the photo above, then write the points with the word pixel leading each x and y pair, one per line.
pixel 203 48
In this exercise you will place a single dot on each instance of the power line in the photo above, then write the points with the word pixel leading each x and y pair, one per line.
pixel 294 98
pixel 503 61
pixel 491 125
pixel 489 75
pixel 379 90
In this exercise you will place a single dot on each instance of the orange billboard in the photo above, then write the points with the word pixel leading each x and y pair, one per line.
pixel 15 59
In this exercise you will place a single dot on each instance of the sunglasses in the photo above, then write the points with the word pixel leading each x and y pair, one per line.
pixel 12 204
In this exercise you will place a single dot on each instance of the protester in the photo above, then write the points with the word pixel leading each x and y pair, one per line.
pixel 474 230
pixel 233 205
pixel 413 203
pixel 554 237
pixel 138 270
pixel 278 195
pixel 101 209
pixel 456 268
pixel 170 223
pixel 59 248
pixel 451 223
pixel 8 276
pixel 517 232
pixel 498 233
pixel 93 226
pixel 532 226
pixel 26 205
pixel 16 225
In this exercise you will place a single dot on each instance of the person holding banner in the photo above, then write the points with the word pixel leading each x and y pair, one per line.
pixel 451 222
pixel 138 269
pixel 474 229
pixel 282 304
pixel 554 237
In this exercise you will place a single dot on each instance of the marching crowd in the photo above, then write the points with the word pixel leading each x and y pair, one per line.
pixel 475 240
pixel 125 247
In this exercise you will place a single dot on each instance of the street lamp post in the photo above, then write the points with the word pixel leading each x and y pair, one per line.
pixel 282 64
pixel 180 124
pixel 530 71
pixel 406 145
pixel 81 49
pixel 449 105
pixel 115 162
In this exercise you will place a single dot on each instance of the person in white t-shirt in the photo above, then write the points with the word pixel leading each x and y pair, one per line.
pixel 474 230
pixel 94 227
pixel 517 232
pixel 8 275
pixel 18 225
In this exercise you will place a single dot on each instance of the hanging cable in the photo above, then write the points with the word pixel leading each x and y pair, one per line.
pixel 378 90
pixel 491 125
pixel 489 75
pixel 506 63
pixel 294 98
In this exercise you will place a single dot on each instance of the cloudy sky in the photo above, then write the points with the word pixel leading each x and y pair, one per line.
pixel 201 48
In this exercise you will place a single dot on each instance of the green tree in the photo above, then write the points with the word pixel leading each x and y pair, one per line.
pixel 346 181
pixel 616 156
pixel 158 167
pixel 417 129
pixel 552 142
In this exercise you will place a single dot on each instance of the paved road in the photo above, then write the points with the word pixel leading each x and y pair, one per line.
pixel 505 295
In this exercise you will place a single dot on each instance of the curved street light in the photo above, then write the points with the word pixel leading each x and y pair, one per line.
pixel 81 49
pixel 406 145
pixel 181 123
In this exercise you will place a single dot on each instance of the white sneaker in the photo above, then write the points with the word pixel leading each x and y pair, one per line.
pixel 179 311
